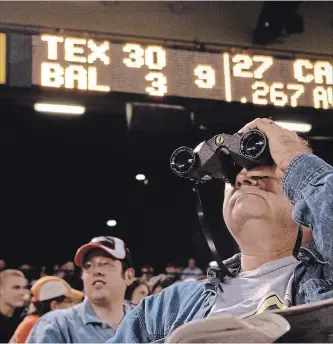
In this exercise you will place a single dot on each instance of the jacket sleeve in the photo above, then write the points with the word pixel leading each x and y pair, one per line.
pixel 308 184
pixel 45 332
pixel 132 328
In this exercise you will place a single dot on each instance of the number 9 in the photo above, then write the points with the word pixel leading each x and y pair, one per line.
pixel 206 76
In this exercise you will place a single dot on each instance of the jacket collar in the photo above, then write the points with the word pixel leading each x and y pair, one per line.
pixel 89 316
pixel 215 275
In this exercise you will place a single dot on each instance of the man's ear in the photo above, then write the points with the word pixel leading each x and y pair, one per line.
pixel 53 305
pixel 129 276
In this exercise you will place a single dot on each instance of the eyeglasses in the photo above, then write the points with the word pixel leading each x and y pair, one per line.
pixel 103 265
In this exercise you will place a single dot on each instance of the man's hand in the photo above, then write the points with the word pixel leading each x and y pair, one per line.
pixel 284 145
pixel 155 279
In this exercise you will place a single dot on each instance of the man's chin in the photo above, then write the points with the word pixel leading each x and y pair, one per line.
pixel 250 201
pixel 97 296
pixel 244 211
pixel 245 197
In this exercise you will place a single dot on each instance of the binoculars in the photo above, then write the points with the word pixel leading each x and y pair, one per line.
pixel 222 157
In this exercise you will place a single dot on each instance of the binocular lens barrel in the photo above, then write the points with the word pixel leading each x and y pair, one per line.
pixel 253 144
pixel 182 161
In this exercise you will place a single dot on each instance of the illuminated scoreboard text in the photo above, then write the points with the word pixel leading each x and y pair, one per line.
pixel 100 65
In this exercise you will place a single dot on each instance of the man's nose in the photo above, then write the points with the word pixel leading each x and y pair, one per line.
pixel 243 178
pixel 98 270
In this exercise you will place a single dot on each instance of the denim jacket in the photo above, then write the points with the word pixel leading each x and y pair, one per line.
pixel 308 184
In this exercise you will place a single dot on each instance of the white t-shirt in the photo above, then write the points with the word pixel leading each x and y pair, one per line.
pixel 251 292
pixel 194 273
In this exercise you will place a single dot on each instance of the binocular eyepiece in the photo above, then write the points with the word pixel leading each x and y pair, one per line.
pixel 222 157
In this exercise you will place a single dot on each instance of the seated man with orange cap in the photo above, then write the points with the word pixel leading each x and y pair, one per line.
pixel 48 294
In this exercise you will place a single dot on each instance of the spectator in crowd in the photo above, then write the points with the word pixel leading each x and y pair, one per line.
pixel 13 288
pixel 192 271
pixel 136 292
pixel 31 273
pixel 2 264
pixel 171 272
pixel 160 285
pixel 56 268
pixel 43 272
pixel 106 273
pixel 66 269
pixel 147 273
pixel 179 271
pixel 69 273
pixel 271 270
pixel 48 294
pixel 28 273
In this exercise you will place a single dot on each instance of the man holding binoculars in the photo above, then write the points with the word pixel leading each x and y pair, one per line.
pixel 265 207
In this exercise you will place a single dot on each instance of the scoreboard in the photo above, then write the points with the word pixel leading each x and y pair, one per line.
pixel 92 65
pixel 3 57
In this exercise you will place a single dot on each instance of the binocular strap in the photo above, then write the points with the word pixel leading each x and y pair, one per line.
pixel 298 241
pixel 208 235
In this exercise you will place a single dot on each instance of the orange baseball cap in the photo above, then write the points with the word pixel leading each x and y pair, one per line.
pixel 49 287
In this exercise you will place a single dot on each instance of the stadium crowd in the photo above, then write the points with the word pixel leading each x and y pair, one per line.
pixel 285 238
pixel 28 293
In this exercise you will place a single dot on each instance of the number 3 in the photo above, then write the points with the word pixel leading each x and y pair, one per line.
pixel 136 56
pixel 158 84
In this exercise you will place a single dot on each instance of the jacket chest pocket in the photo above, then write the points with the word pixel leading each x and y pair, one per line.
pixel 163 338
pixel 316 289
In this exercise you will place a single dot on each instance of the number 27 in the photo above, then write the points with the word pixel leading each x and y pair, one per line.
pixel 243 64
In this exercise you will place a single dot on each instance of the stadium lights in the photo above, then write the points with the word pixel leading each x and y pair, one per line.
pixel 140 177
pixel 276 21
pixel 61 109
pixel 294 126
pixel 111 223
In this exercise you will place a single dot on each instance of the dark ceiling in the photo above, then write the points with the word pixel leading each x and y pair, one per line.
pixel 63 178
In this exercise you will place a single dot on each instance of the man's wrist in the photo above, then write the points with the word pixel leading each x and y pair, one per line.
pixel 301 170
